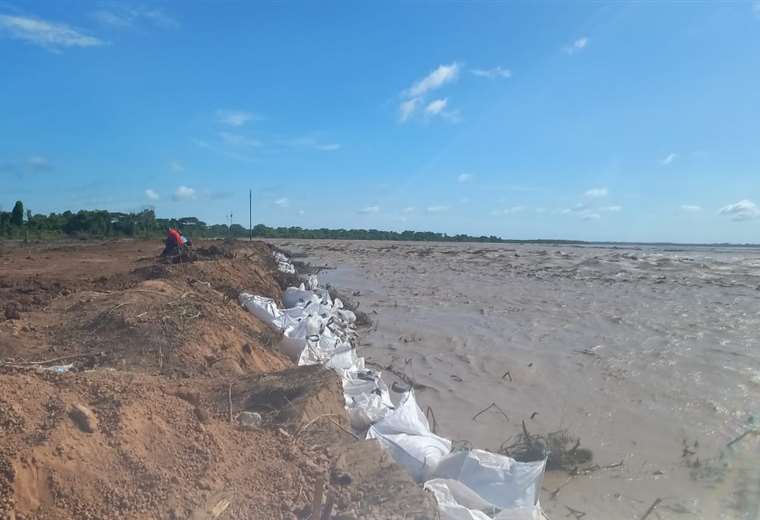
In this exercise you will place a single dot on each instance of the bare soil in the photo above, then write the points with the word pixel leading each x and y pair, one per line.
pixel 147 423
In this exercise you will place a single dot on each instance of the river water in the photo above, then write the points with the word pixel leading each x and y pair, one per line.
pixel 650 356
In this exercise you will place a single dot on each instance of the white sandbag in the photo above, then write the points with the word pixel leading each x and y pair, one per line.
pixel 294 296
pixel 456 501
pixel 406 434
pixel 499 480
pixel 263 308
pixel 366 395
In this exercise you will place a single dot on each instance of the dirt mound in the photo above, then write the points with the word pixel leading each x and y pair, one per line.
pixel 176 404
pixel 140 314
pixel 152 454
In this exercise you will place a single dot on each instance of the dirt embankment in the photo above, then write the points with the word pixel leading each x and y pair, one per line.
pixel 156 417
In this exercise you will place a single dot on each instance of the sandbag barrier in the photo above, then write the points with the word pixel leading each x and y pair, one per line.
pixel 468 484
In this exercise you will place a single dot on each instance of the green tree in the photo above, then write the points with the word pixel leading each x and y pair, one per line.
pixel 17 215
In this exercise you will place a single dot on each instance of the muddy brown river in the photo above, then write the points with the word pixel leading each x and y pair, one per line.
pixel 650 356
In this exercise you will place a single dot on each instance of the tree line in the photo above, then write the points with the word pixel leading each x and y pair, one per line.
pixel 21 224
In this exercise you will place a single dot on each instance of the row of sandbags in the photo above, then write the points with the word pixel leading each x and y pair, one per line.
pixel 467 484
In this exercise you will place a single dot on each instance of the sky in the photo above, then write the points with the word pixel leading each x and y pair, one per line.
pixel 625 121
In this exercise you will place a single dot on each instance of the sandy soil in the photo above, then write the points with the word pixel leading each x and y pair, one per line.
pixel 148 423
pixel 650 357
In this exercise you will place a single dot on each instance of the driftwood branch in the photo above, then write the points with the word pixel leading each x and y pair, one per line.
pixel 651 508
pixel 492 405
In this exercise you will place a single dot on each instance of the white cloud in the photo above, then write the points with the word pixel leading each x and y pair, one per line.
pixel 49 35
pixel 407 108
pixel 176 167
pixel 370 209
pixel 590 216
pixel 436 209
pixel 184 193
pixel 439 77
pixel 151 194
pixel 611 209
pixel 283 202
pixel 495 72
pixel 234 117
pixel 669 159
pixel 125 17
pixel 436 106
pixel 508 211
pixel 742 210
pixel 597 193
pixel 464 177
pixel 301 212
pixel 577 46
pixel 239 140
pixel 691 208
pixel 408 209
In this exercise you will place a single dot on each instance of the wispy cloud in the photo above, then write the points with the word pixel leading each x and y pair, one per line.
pixel 742 210
pixel 436 106
pixel 756 9
pixel 221 150
pixel 668 159
pixel 176 167
pixel 234 117
pixel 282 202
pixel 597 193
pixel 408 209
pixel 436 79
pixel 586 212
pixel 367 210
pixel 33 164
pixel 492 73
pixel 691 208
pixel 38 163
pixel 611 209
pixel 407 108
pixel 310 142
pixel 437 209
pixel 464 177
pixel 151 194
pixel 331 147
pixel 239 140
pixel 184 193
pixel 508 211
pixel 52 36
pixel 577 46
pixel 126 17
pixel 415 94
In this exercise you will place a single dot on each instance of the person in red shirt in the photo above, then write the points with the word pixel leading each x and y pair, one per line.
pixel 173 242
pixel 173 235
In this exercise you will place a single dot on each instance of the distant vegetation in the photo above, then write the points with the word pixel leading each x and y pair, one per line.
pixel 104 224
pixel 20 224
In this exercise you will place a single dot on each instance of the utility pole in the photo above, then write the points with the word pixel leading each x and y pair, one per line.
pixel 250 214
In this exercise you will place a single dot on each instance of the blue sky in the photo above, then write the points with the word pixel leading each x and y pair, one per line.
pixel 600 121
